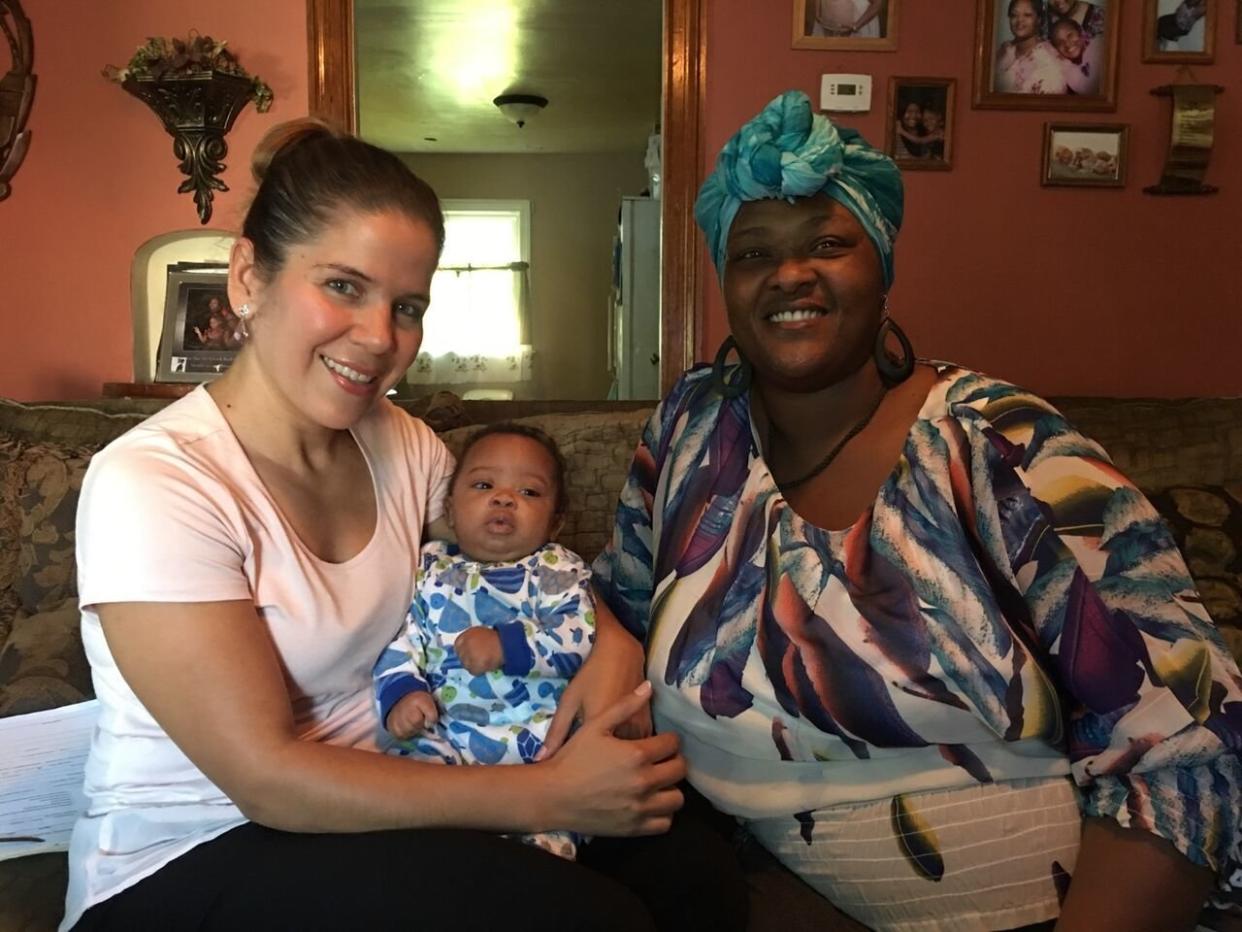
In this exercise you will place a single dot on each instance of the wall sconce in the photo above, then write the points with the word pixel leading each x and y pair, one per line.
pixel 16 92
pixel 520 107
pixel 196 87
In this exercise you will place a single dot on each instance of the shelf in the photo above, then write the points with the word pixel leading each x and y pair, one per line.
pixel 147 389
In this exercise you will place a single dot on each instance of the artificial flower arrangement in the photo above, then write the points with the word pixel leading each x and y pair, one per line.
pixel 159 58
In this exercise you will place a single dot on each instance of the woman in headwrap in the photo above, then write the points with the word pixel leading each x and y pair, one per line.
pixel 914 630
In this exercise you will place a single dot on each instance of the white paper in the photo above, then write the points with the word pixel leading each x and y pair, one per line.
pixel 42 765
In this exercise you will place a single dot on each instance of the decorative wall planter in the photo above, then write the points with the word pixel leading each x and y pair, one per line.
pixel 196 87
pixel 16 91
pixel 197 110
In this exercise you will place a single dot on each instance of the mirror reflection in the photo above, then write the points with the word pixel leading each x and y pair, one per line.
pixel 549 284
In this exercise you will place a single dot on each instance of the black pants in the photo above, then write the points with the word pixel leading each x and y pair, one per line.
pixel 255 878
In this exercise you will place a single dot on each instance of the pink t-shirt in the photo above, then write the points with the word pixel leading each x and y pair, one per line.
pixel 173 512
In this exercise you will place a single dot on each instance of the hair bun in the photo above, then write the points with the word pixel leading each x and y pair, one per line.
pixel 283 138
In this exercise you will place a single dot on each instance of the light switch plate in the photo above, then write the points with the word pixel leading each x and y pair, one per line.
pixel 845 93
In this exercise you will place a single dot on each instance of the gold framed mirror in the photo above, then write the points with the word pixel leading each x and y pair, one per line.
pixel 333 96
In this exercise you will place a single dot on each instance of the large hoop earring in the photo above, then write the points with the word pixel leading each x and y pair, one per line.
pixel 741 381
pixel 893 370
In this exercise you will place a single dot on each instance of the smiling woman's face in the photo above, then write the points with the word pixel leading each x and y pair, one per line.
pixel 804 287
pixel 1023 20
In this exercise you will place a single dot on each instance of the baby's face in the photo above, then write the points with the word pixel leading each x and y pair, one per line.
pixel 1068 40
pixel 932 121
pixel 503 504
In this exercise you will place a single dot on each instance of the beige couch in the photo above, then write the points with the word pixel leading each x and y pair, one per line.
pixel 1186 454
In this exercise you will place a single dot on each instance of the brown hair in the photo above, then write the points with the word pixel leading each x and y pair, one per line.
pixel 530 433
pixel 307 172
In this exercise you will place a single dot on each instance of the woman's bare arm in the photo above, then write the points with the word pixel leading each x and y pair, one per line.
pixel 613 670
pixel 870 13
pixel 210 676
pixel 1129 880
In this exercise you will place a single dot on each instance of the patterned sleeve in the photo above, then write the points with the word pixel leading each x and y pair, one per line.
pixel 558 639
pixel 400 669
pixel 625 570
pixel 1152 698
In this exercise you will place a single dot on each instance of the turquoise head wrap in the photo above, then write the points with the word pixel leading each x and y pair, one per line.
pixel 789 151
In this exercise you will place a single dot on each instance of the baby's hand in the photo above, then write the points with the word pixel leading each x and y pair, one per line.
pixel 479 650
pixel 412 713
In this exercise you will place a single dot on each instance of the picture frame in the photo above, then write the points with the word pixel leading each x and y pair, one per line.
pixel 201 334
pixel 825 24
pixel 914 140
pixel 1054 61
pixel 1090 155
pixel 1179 31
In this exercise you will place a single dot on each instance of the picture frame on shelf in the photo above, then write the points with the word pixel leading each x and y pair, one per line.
pixel 921 122
pixel 1092 155
pixel 201 334
pixel 1180 31
pixel 854 25
pixel 1053 55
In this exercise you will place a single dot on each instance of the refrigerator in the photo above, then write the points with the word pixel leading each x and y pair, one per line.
pixel 634 331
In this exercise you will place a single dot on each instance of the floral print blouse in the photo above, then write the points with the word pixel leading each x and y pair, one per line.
pixel 1010 606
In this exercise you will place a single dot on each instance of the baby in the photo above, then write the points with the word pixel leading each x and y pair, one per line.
pixel 500 620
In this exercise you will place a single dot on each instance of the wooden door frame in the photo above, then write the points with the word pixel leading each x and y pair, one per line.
pixel 333 96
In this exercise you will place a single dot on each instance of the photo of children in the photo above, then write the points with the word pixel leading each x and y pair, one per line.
pixel 1082 154
pixel 210 323
pixel 201 333
pixel 1058 50
pixel 920 113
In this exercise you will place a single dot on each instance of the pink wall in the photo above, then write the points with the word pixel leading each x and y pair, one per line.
pixel 1064 290
pixel 100 179
pixel 1145 300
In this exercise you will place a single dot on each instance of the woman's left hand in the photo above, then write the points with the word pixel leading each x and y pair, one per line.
pixel 614 669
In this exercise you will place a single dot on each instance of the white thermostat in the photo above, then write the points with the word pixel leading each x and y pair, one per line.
pixel 850 93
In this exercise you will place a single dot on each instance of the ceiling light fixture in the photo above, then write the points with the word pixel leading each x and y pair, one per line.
pixel 520 107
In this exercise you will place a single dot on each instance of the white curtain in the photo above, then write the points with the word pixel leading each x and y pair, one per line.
pixel 478 326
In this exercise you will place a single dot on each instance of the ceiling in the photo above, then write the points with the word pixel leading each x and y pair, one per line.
pixel 428 69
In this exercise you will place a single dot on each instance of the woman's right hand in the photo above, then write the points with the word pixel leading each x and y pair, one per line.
pixel 605 785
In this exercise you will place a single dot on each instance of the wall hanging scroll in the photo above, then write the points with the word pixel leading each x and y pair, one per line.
pixel 16 91
pixel 196 87
pixel 1191 137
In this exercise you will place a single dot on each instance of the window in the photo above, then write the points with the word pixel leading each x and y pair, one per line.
pixel 477 327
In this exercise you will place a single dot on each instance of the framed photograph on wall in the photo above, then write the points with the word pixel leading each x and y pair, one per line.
pixel 920 122
pixel 1085 154
pixel 201 334
pixel 858 25
pixel 1179 30
pixel 1053 55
